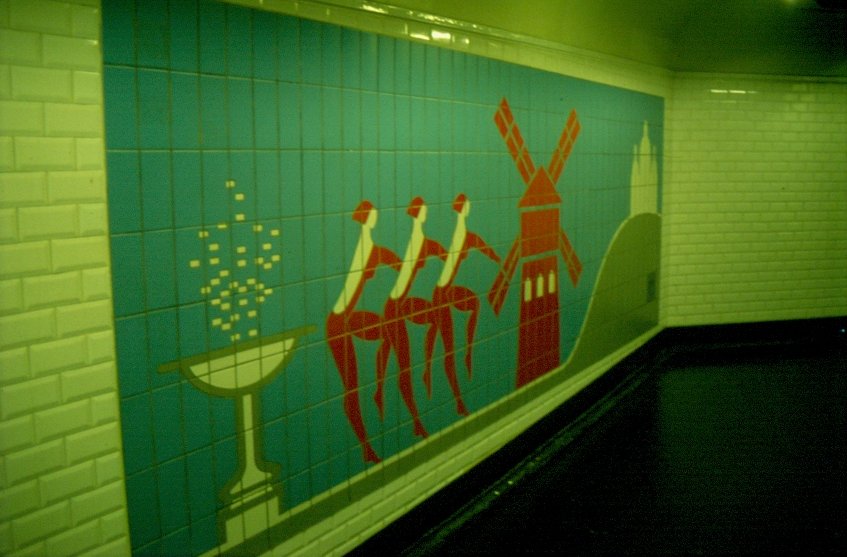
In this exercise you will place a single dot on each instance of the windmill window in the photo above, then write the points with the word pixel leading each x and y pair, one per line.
pixel 527 290
pixel 539 286
pixel 551 282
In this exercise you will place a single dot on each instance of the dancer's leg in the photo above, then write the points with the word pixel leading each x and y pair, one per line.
pixel 354 414
pixel 381 365
pixel 450 365
pixel 343 353
pixel 388 331
pixel 439 318
pixel 465 300
pixel 404 377
pixel 429 348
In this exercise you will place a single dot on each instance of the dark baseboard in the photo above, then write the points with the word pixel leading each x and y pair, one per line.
pixel 672 346
pixel 760 340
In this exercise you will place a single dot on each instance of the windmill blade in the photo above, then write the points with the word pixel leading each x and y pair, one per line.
pixel 569 255
pixel 563 149
pixel 497 293
pixel 511 134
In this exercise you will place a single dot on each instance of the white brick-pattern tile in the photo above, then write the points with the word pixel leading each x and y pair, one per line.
pixel 15 434
pixel 7 156
pixel 41 84
pixel 11 298
pixel 71 51
pixel 22 188
pixel 22 117
pixel 27 328
pixel 24 258
pixel 76 186
pixel 75 540
pixel 755 210
pixel 47 222
pixel 75 253
pixel 61 480
pixel 20 47
pixel 62 119
pixel 53 289
pixel 45 153
pixel 48 357
pixel 87 88
pixel 67 482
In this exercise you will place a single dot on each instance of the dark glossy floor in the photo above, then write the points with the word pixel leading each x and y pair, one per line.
pixel 723 448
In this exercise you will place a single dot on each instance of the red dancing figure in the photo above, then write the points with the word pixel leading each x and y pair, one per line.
pixel 399 307
pixel 447 296
pixel 345 322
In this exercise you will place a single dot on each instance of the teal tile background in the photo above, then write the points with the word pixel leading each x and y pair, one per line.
pixel 168 446
pixel 119 36
pixel 309 119
pixel 158 249
pixel 156 190
pixel 213 111
pixel 127 274
pixel 119 86
pixel 152 25
pixel 145 528
pixel 163 345
pixel 183 35
pixel 136 414
pixel 185 113
pixel 212 33
pixel 153 109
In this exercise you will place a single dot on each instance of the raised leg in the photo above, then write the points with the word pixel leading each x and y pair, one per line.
pixel 343 352
pixel 381 365
pixel 465 300
pixel 354 414
pixel 429 348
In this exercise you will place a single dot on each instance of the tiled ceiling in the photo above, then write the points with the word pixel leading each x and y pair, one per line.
pixel 778 37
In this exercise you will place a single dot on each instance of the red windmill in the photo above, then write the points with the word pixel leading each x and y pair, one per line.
pixel 539 244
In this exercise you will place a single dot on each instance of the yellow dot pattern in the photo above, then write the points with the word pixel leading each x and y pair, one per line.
pixel 235 301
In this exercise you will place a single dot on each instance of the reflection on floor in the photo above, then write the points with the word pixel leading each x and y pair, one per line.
pixel 735 442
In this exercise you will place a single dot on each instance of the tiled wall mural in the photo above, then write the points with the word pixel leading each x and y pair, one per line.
pixel 330 245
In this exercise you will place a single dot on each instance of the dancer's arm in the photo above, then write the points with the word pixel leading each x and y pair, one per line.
pixel 431 247
pixel 388 257
pixel 474 241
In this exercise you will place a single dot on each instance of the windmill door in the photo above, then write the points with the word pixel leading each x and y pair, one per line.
pixel 538 338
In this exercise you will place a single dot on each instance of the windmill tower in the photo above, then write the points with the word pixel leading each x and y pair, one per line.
pixel 538 246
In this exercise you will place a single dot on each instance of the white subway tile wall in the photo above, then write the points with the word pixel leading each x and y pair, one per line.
pixel 61 478
pixel 755 200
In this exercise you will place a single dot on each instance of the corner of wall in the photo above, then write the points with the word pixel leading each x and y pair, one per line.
pixel 755 205
pixel 61 468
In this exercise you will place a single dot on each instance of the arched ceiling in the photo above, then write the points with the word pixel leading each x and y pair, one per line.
pixel 776 37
